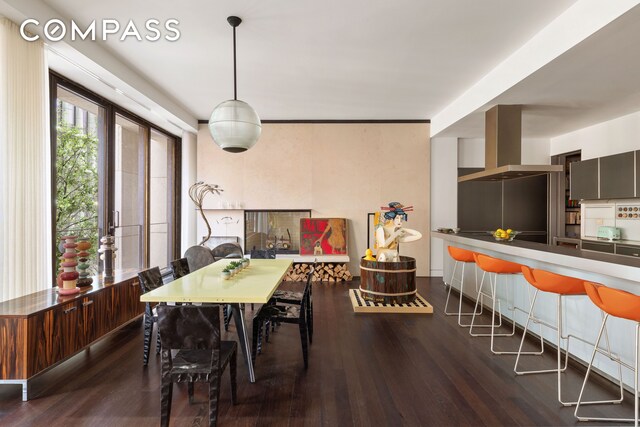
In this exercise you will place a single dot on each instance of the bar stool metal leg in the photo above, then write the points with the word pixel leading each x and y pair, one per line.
pixel 460 313
pixel 513 309
pixel 493 279
pixel 560 368
pixel 480 301
pixel 617 359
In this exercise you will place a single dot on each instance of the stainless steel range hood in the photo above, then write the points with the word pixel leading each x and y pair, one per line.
pixel 503 148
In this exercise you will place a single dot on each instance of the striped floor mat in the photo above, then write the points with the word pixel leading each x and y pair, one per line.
pixel 360 305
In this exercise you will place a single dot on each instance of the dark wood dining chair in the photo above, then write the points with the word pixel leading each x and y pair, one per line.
pixel 292 314
pixel 198 257
pixel 227 250
pixel 179 268
pixel 282 296
pixel 192 351
pixel 149 280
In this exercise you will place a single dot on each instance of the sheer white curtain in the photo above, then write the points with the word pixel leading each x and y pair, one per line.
pixel 25 188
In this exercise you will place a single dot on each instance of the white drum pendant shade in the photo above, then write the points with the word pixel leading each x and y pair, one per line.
pixel 235 126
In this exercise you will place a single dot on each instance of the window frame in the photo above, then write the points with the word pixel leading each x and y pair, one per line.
pixel 106 169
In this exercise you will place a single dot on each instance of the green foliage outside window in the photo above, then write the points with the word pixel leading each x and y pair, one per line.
pixel 77 184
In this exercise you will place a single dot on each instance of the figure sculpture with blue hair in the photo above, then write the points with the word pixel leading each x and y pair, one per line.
pixel 390 232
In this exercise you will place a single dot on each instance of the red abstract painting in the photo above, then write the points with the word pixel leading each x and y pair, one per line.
pixel 323 236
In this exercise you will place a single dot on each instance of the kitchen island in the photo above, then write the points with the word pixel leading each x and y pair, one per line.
pixel 582 318
pixel 588 265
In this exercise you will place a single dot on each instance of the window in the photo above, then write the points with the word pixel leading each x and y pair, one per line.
pixel 77 153
pixel 114 174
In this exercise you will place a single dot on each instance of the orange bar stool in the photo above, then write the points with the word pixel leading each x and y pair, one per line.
pixel 496 267
pixel 464 257
pixel 562 286
pixel 623 305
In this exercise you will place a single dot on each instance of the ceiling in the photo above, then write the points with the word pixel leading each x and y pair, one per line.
pixel 595 81
pixel 310 60
pixel 360 60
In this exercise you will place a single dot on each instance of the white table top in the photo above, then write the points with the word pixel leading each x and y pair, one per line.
pixel 254 284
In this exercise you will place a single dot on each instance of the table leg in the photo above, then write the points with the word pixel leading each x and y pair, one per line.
pixel 241 327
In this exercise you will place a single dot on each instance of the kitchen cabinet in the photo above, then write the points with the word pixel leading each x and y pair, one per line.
pixel 598 247
pixel 525 204
pixel 479 203
pixel 628 250
pixel 617 176
pixel 584 180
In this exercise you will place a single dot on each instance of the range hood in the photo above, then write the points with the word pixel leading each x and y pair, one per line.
pixel 503 148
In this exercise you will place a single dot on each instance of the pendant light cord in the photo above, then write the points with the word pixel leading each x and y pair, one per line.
pixel 235 86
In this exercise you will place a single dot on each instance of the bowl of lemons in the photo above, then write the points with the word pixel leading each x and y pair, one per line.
pixel 504 235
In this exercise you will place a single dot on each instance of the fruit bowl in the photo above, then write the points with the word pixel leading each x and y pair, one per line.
pixel 504 235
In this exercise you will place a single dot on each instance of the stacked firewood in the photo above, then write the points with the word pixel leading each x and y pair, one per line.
pixel 325 272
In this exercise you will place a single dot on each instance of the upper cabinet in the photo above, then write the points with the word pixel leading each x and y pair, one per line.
pixel 584 180
pixel 617 180
pixel 610 177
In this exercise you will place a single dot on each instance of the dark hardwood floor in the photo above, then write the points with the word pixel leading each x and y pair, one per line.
pixel 364 370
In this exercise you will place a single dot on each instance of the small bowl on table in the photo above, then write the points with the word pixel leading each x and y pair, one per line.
pixel 509 237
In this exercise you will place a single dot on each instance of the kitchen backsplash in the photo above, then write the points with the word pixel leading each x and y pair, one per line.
pixel 624 214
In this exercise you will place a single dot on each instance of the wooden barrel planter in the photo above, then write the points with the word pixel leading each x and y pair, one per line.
pixel 388 282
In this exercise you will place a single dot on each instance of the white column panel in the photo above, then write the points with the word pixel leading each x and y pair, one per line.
pixel 188 210
pixel 444 194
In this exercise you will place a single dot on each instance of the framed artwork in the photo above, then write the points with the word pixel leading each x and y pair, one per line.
pixel 323 236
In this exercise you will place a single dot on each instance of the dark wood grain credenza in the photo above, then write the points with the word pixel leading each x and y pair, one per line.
pixel 40 330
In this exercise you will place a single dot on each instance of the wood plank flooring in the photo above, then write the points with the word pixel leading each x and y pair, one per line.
pixel 364 370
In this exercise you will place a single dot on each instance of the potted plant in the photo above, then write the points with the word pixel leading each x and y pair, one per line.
pixel 235 266
pixel 226 273
pixel 245 262
pixel 231 268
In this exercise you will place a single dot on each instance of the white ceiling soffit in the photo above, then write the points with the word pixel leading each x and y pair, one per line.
pixel 566 80
pixel 305 59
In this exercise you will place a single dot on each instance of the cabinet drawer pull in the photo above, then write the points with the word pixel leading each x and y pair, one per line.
pixel 69 310
pixel 86 303
pixel 135 284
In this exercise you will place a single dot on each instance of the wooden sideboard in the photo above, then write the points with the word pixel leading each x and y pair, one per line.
pixel 40 330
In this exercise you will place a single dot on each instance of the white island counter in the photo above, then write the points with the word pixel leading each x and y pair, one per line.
pixel 582 318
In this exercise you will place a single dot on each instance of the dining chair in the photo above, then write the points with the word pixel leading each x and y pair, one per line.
pixel 292 314
pixel 198 257
pixel 263 254
pixel 179 268
pixel 283 296
pixel 149 280
pixel 192 351
pixel 227 250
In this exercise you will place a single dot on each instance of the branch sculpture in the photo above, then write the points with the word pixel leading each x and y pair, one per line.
pixel 197 193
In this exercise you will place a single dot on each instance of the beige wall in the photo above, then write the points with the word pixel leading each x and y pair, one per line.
pixel 337 170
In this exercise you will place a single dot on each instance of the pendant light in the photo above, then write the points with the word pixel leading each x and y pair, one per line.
pixel 234 125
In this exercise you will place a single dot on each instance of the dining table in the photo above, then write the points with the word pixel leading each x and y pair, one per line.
pixel 254 284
